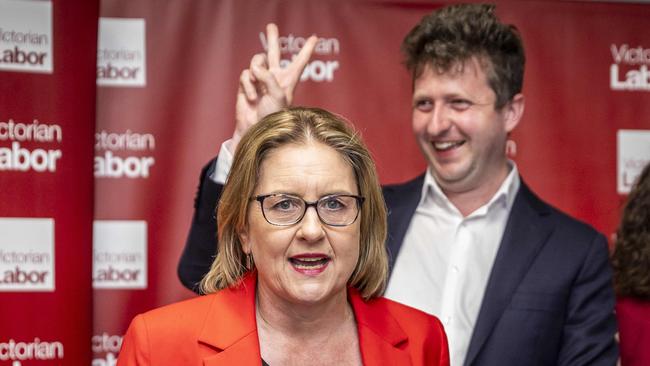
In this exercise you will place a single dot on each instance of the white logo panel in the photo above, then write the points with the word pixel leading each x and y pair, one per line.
pixel 119 254
pixel 40 157
pixel 121 53
pixel 633 155
pixel 120 154
pixel 629 70
pixel 26 36
pixel 26 254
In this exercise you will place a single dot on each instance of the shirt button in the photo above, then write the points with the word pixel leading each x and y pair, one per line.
pixel 454 269
pixel 447 320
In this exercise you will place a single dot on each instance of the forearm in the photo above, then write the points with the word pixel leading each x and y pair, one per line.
pixel 201 245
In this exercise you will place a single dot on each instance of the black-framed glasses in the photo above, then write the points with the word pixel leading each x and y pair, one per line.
pixel 335 210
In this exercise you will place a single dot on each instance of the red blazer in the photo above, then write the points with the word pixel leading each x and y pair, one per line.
pixel 220 329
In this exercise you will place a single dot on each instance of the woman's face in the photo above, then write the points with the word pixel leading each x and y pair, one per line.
pixel 307 262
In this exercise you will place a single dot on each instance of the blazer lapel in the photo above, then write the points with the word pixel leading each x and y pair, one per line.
pixel 401 200
pixel 524 236
pixel 239 353
pixel 234 341
pixel 230 329
pixel 379 334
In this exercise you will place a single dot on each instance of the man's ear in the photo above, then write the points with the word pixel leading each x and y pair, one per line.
pixel 513 112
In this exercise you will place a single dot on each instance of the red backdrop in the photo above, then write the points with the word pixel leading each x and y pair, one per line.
pixel 48 212
pixel 165 101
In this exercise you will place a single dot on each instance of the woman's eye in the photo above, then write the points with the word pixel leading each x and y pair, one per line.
pixel 333 204
pixel 284 205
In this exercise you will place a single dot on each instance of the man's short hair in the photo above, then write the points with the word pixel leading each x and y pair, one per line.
pixel 450 36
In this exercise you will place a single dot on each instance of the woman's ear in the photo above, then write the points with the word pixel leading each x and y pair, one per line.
pixel 245 243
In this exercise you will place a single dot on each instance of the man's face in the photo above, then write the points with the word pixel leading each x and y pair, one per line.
pixel 458 129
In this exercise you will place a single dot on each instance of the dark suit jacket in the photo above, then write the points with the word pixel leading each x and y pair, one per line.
pixel 220 329
pixel 549 298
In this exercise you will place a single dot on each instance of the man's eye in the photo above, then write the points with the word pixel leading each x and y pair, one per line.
pixel 460 104
pixel 423 105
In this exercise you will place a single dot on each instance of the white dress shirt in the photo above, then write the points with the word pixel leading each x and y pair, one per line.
pixel 445 259
pixel 223 163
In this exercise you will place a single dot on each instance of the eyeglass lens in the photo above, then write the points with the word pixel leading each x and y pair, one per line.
pixel 281 209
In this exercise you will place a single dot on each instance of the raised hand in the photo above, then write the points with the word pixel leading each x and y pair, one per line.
pixel 265 87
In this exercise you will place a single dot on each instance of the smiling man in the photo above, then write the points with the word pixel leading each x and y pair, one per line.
pixel 515 281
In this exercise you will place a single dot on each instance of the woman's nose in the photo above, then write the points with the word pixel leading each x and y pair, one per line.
pixel 311 228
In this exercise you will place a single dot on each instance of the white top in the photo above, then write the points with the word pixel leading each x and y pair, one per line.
pixel 223 164
pixel 445 260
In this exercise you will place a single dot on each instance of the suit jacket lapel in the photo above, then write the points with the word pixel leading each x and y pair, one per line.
pixel 524 236
pixel 230 331
pixel 401 200
pixel 379 333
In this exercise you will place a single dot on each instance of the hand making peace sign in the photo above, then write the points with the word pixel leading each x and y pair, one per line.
pixel 265 87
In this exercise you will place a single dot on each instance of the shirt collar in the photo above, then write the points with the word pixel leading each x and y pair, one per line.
pixel 432 194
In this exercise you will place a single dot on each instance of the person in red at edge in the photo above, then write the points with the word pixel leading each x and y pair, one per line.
pixel 631 262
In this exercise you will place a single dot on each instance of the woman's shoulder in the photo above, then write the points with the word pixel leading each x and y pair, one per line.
pixel 184 308
pixel 187 314
pixel 406 314
pixel 170 331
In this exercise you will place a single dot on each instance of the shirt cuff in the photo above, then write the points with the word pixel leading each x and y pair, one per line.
pixel 222 164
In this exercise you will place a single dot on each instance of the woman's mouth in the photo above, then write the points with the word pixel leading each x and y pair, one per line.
pixel 309 264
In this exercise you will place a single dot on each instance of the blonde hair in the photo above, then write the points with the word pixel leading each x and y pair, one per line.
pixel 299 126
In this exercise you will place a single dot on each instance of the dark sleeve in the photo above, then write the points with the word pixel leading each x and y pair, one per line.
pixel 590 324
pixel 201 244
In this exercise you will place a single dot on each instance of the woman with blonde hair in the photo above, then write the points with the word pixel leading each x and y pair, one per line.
pixel 301 263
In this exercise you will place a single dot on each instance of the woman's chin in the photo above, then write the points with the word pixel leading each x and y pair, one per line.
pixel 313 292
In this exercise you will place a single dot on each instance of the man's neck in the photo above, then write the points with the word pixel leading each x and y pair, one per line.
pixel 469 199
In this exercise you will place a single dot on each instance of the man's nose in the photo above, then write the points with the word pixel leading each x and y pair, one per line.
pixel 439 121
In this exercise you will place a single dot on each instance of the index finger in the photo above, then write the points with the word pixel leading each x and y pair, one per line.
pixel 273 45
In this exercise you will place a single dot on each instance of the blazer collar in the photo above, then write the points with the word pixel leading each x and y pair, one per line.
pixel 230 329
pixel 525 234
pixel 380 336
